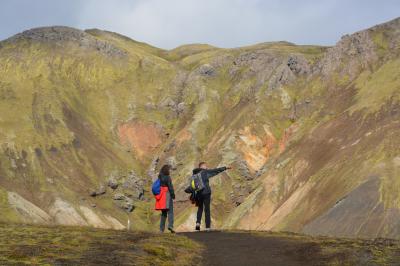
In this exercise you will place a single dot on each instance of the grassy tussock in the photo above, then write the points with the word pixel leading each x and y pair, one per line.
pixel 26 244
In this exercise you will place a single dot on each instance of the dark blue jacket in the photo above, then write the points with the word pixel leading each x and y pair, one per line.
pixel 165 181
pixel 206 174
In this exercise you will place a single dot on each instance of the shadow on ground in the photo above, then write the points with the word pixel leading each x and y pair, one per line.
pixel 264 248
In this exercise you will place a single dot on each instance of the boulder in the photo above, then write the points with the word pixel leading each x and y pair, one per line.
pixel 124 202
pixel 128 205
pixel 119 196
pixel 97 192
pixel 112 183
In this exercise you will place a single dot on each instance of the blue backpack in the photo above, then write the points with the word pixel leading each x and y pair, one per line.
pixel 156 187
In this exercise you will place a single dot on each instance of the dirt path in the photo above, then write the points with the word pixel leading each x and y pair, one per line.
pixel 224 248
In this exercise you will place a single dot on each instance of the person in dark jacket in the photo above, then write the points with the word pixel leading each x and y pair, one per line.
pixel 165 181
pixel 204 196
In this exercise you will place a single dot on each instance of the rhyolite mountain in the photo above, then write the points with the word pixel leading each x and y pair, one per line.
pixel 313 133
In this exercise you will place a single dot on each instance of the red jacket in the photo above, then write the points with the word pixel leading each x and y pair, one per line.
pixel 163 199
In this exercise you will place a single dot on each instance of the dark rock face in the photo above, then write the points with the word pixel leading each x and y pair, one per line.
pixel 59 35
pixel 352 215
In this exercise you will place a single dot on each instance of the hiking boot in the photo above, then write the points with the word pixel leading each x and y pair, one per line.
pixel 197 227
pixel 171 230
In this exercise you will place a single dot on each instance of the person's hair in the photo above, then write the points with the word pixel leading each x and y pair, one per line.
pixel 165 170
pixel 201 164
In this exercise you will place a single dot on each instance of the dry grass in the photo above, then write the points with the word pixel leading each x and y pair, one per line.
pixel 44 245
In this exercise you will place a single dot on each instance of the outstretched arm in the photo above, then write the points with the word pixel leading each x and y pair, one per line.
pixel 216 171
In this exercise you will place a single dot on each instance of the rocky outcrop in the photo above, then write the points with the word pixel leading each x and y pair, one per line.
pixel 206 70
pixel 59 35
pixel 152 169
pixel 298 64
pixel 351 54
pixel 134 185
pixel 260 64
pixel 176 108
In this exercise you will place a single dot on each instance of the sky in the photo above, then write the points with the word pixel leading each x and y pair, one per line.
pixel 223 23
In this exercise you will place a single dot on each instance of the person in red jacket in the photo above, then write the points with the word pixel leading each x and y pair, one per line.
pixel 164 201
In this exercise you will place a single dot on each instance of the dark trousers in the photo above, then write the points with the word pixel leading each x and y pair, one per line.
pixel 204 203
pixel 170 214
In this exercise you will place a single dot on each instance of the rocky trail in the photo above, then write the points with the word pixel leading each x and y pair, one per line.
pixel 250 248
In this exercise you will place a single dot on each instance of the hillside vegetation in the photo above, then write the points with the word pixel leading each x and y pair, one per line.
pixel 88 117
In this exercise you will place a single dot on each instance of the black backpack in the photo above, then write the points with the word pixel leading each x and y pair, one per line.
pixel 196 182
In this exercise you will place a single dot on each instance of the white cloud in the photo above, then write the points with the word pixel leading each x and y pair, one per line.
pixel 229 23
pixel 174 22
pixel 224 23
